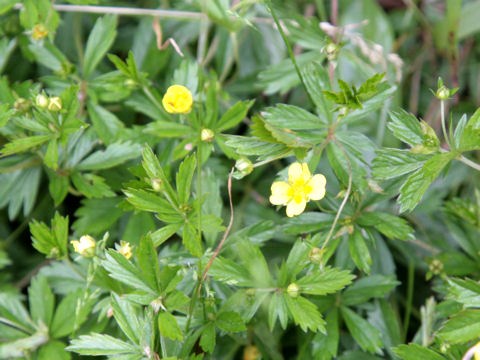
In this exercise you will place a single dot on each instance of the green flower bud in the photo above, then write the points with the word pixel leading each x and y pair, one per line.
pixel 207 135
pixel 316 255
pixel 244 165
pixel 41 101
pixel 293 290
pixel 157 185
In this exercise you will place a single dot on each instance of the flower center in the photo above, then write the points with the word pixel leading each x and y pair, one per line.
pixel 299 191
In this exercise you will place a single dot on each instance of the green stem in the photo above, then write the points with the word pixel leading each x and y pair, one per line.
pixel 408 306
pixel 147 92
pixel 444 127
pixel 199 190
pixel 469 162
pixel 289 48
pixel 77 31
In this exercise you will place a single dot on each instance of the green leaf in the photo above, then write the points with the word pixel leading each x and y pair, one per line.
pixel 230 321
pixel 71 313
pixel 148 262
pixel 277 309
pixel 416 352
pixel 24 144
pixel 373 286
pixel 470 137
pixel 461 327
pixel 115 154
pixel 57 186
pixel 123 270
pixel 391 163
pixel 126 318
pixel 208 337
pixel 52 243
pixel 307 222
pixel 417 184
pixel 54 349
pixel 234 115
pixel 229 272
pixel 105 123
pixel 406 127
pixel 326 345
pixel 41 300
pixel 164 233
pixel 98 43
pixel 359 251
pixel 364 334
pixel 465 291
pixel 326 281
pixel 291 117
pixel 389 225
pixel 317 80
pixel 297 258
pixel 339 163
pixel 168 326
pixel 148 201
pixel 304 313
pixel 92 186
pixel 184 178
pixel 99 344
pixel 96 215
pixel 255 263
pixel 191 240
pixel 13 312
pixel 6 5
pixel 168 129
pixel 20 348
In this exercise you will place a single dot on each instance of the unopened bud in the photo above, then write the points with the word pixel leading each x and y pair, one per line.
pixel 316 255
pixel 443 93
pixel 293 290
pixel 244 165
pixel 55 104
pixel 157 184
pixel 39 32
pixel 41 101
pixel 207 135
pixel 19 103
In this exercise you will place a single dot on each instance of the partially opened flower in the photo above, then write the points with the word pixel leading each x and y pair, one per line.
pixel 177 100
pixel 299 190
pixel 85 246
pixel 125 249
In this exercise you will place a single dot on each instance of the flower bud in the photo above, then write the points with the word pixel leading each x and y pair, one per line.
pixel 436 267
pixel 293 290
pixel 41 101
pixel 85 247
pixel 244 165
pixel 316 255
pixel 207 135
pixel 125 249
pixel 157 185
pixel 39 31
pixel 20 103
pixel 443 93
pixel 55 104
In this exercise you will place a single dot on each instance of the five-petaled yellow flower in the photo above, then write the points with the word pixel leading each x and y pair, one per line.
pixel 125 249
pixel 300 189
pixel 177 100
pixel 85 247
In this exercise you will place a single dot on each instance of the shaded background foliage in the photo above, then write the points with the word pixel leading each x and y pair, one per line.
pixel 431 39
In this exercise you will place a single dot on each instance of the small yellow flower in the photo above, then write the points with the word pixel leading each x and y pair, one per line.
pixel 85 247
pixel 39 31
pixel 300 189
pixel 125 249
pixel 177 100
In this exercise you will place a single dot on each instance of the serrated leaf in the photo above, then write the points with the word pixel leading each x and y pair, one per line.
pixel 115 154
pixel 461 327
pixel 391 163
pixel 406 127
pixel 207 339
pixel 364 334
pixel 105 123
pixel 126 318
pixel 168 129
pixel 41 301
pixel 416 352
pixel 90 185
pixel 373 286
pixel 184 178
pixel 24 144
pixel 148 262
pixel 99 41
pixel 359 251
pixel 277 309
pixel 326 281
pixel 234 115
pixel 168 326
pixel 292 117
pixel 99 344
pixel 191 240
pixel 304 313
pixel 230 321
pixel 389 225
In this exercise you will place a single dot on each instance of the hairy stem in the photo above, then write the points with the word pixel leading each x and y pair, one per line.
pixel 444 127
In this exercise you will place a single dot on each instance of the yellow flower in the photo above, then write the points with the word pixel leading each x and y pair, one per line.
pixel 39 32
pixel 125 249
pixel 85 247
pixel 177 100
pixel 251 353
pixel 300 189
pixel 55 104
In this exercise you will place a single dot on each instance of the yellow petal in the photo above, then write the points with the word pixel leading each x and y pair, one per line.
pixel 279 193
pixel 294 208
pixel 317 183
pixel 295 172
pixel 306 171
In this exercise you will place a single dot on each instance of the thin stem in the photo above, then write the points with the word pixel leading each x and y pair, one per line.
pixel 408 306
pixel 227 231
pixel 345 199
pixel 132 11
pixel 289 48
pixel 444 128
pixel 469 162
pixel 147 92
pixel 335 12
pixel 199 191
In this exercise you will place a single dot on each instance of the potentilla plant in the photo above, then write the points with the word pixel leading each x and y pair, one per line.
pixel 181 213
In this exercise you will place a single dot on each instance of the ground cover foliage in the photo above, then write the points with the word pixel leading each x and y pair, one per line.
pixel 144 221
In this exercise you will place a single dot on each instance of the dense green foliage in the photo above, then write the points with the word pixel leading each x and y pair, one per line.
pixel 131 232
